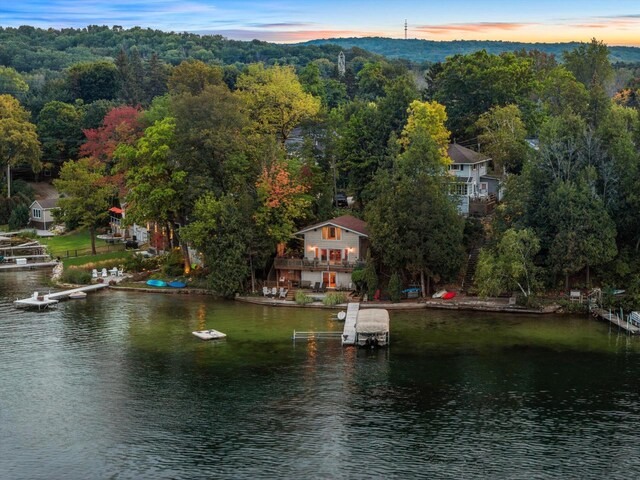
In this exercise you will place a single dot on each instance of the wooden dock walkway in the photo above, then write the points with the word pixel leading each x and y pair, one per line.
pixel 349 331
pixel 315 335
pixel 615 320
pixel 28 266
pixel 46 300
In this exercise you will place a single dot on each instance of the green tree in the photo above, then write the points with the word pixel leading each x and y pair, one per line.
pixel 585 234
pixel 395 287
pixel 157 182
pixel 193 76
pixel 590 63
pixel 502 138
pixel 19 217
pixel 510 266
pixel 18 138
pixel 60 130
pixel 93 81
pixel 12 83
pixel 275 99
pixel 86 198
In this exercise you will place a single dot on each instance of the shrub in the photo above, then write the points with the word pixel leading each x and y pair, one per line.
pixel 370 277
pixel 302 298
pixel 139 263
pixel 77 276
pixel 172 263
pixel 395 288
pixel 19 217
pixel 336 298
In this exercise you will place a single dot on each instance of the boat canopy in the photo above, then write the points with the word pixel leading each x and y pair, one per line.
pixel 372 320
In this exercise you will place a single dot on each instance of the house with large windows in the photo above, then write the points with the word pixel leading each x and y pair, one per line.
pixel 475 190
pixel 332 250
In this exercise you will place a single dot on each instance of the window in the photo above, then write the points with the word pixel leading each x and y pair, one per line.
pixel 323 255
pixel 331 233
pixel 454 167
pixel 459 189
pixel 475 167
pixel 37 213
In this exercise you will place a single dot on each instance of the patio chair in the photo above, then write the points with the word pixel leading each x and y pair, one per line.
pixel 121 272
pixel 323 288
pixel 266 292
pixel 94 273
pixel 274 292
pixel 316 287
pixel 283 293
pixel 105 274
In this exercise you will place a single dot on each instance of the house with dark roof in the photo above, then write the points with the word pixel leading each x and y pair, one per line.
pixel 472 186
pixel 332 250
pixel 41 213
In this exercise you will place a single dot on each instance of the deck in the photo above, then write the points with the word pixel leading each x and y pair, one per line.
pixel 615 320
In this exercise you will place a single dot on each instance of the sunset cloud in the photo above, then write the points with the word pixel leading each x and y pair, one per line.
pixel 471 27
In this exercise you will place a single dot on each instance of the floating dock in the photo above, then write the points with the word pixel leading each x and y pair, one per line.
pixel 49 299
pixel 614 319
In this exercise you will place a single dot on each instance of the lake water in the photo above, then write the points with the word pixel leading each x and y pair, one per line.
pixel 115 386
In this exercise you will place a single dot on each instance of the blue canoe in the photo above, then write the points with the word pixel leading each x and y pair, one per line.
pixel 156 283
pixel 177 284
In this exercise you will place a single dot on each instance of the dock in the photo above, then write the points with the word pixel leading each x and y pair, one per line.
pixel 46 300
pixel 614 319
pixel 349 331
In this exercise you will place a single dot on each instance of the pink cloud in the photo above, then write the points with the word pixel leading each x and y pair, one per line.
pixel 288 35
pixel 471 27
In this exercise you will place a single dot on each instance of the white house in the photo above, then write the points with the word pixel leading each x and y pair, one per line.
pixel 41 213
pixel 332 250
pixel 471 183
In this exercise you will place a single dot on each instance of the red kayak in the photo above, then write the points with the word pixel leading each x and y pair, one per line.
pixel 448 295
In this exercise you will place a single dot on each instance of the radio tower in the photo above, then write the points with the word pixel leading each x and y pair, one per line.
pixel 405 28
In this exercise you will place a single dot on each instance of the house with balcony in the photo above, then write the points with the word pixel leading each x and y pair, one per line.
pixel 332 250
pixel 475 190
pixel 120 229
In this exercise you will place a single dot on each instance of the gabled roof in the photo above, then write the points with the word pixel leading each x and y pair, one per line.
pixel 347 222
pixel 46 203
pixel 464 155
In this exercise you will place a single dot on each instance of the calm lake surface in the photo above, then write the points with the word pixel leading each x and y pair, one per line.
pixel 115 386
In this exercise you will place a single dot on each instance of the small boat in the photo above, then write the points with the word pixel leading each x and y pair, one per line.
pixel 156 283
pixel 448 295
pixel 177 284
pixel 77 295
pixel 209 334
pixel 439 294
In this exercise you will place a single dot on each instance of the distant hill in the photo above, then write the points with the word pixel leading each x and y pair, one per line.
pixel 432 51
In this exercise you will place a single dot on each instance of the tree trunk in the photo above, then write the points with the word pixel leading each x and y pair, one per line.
pixel 588 277
pixel 422 283
pixel 253 274
pixel 566 280
pixel 8 181
pixel 92 232
pixel 184 248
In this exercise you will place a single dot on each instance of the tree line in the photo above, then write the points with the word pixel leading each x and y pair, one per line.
pixel 234 159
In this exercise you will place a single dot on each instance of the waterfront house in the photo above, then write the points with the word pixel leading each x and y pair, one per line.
pixel 41 213
pixel 120 229
pixel 332 250
pixel 475 190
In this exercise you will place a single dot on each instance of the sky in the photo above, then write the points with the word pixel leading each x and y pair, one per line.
pixel 616 22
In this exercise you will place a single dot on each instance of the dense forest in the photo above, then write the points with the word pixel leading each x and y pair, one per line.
pixel 234 158
pixel 417 50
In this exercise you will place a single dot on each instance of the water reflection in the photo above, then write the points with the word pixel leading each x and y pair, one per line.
pixel 116 385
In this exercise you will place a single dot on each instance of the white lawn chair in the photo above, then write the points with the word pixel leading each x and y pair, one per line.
pixel 274 292
pixel 283 293
pixel 94 273
pixel 121 272
pixel 105 274
pixel 266 292
pixel 113 272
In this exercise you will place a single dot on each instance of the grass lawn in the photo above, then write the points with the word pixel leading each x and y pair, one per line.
pixel 96 260
pixel 76 240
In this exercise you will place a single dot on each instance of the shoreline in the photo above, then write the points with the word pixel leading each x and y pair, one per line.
pixel 471 305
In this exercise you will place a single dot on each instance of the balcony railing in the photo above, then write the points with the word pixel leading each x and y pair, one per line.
pixel 306 264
